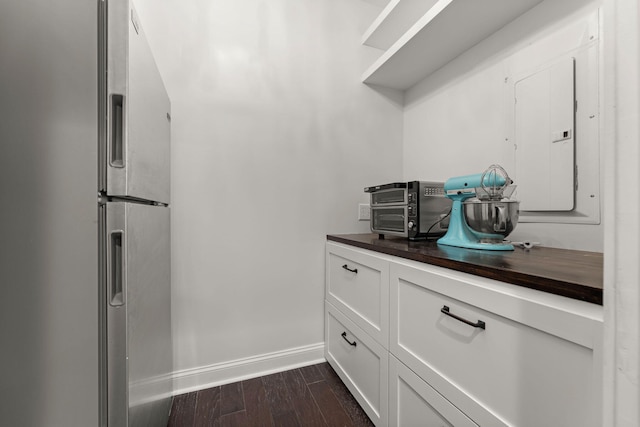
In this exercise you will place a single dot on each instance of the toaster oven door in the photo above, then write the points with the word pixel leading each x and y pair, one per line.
pixel 389 196
pixel 389 220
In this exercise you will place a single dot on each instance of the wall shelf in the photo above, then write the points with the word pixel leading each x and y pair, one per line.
pixel 394 20
pixel 446 30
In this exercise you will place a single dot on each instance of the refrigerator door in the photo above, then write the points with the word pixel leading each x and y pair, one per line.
pixel 139 347
pixel 137 146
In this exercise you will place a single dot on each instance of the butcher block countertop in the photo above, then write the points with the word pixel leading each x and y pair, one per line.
pixel 573 274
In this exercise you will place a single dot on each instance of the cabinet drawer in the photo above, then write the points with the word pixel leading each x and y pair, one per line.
pixel 358 284
pixel 508 373
pixel 413 402
pixel 360 361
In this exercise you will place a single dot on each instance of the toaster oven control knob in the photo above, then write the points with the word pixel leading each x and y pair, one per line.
pixel 410 225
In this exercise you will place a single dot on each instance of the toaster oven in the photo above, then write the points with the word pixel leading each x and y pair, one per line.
pixel 415 209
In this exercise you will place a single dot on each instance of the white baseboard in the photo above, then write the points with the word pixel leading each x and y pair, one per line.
pixel 150 390
pixel 194 379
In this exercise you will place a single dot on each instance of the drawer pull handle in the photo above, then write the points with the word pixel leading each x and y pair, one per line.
pixel 479 324
pixel 346 267
pixel 344 335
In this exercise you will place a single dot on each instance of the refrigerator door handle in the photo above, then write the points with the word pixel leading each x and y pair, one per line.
pixel 116 131
pixel 115 268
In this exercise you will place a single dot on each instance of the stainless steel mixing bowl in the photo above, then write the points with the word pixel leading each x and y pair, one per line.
pixel 491 220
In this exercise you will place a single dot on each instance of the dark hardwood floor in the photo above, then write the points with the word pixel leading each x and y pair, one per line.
pixel 309 396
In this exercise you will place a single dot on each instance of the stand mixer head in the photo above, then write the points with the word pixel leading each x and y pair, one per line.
pixel 482 214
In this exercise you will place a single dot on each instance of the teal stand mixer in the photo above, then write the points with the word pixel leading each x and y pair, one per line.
pixel 482 215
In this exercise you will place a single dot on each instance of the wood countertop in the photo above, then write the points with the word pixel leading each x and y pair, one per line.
pixel 573 274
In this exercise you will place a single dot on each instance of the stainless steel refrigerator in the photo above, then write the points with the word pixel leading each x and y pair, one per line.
pixel 85 308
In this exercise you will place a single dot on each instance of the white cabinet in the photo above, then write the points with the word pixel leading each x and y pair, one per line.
pixel 445 348
pixel 358 284
pixel 413 402
pixel 443 30
pixel 357 325
pixel 360 361
pixel 495 356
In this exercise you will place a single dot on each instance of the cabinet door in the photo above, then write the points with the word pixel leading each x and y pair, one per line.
pixel 360 361
pixel 512 369
pixel 413 402
pixel 358 285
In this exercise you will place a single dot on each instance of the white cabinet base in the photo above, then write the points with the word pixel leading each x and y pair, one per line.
pixel 408 362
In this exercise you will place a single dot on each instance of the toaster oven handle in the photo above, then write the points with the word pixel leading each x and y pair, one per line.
pixel 354 270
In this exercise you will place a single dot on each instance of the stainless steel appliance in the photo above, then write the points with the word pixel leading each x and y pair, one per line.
pixel 415 209
pixel 85 313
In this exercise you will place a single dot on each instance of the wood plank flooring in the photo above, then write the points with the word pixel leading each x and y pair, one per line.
pixel 309 396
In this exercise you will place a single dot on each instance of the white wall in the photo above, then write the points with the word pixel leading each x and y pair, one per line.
pixel 622 271
pixel 457 121
pixel 273 140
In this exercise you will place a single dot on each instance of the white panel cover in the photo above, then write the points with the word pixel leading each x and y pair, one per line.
pixel 545 138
